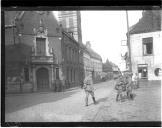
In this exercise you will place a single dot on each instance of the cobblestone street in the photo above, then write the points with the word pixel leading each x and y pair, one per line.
pixel 145 107
pixel 54 107
pixel 69 106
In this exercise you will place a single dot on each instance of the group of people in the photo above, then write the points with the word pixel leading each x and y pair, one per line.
pixel 125 84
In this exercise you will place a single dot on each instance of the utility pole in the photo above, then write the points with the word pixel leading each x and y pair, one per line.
pixel 128 43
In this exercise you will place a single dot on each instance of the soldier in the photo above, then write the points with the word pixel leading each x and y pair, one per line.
pixel 89 89
pixel 129 86
pixel 136 80
pixel 119 87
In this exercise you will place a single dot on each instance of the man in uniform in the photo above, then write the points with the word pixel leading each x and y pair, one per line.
pixel 119 87
pixel 136 80
pixel 129 85
pixel 88 87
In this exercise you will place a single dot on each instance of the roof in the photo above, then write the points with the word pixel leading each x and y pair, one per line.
pixel 28 20
pixel 149 22
pixel 93 54
pixel 17 53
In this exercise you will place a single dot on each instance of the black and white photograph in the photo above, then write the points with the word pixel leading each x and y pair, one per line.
pixel 83 65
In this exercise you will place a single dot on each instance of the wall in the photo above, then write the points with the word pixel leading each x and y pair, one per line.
pixel 97 65
pixel 137 57
pixel 88 67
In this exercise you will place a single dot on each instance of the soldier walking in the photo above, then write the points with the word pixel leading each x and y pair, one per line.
pixel 119 87
pixel 129 86
pixel 89 90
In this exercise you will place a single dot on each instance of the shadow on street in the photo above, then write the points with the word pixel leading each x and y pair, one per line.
pixel 16 102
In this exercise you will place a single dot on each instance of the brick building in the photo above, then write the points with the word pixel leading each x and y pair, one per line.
pixel 35 53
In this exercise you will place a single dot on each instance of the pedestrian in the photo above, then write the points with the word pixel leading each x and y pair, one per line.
pixel 89 90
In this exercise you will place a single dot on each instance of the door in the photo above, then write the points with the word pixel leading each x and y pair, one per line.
pixel 143 71
pixel 42 79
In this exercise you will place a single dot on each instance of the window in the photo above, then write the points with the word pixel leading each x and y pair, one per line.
pixel 73 55
pixel 156 71
pixel 147 46
pixel 67 23
pixel 71 75
pixel 57 73
pixel 67 74
pixel 71 22
pixel 40 46
pixel 67 53
pixel 26 74
pixel 74 75
pixel 64 23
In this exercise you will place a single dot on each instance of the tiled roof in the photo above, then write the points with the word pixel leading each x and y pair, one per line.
pixel 91 52
pixel 149 22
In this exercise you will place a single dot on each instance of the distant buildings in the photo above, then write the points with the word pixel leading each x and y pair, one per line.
pixel 108 69
pixel 146 45
pixel 92 62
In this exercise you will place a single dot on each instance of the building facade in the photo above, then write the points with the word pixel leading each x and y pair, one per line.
pixel 92 63
pixel 71 22
pixel 35 52
pixel 145 45
pixel 71 65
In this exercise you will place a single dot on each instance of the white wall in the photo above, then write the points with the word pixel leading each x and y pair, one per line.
pixel 154 61
pixel 97 65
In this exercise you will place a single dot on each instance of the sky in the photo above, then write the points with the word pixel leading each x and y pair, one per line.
pixel 105 30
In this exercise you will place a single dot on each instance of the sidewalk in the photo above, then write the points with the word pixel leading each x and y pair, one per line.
pixel 145 107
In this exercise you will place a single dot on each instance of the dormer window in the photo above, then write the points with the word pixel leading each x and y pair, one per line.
pixel 41 46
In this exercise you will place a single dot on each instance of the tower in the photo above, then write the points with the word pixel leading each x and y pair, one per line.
pixel 71 22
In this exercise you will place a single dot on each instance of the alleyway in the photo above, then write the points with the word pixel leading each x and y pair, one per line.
pixel 70 106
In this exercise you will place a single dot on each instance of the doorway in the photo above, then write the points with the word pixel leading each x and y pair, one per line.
pixel 42 79
pixel 143 71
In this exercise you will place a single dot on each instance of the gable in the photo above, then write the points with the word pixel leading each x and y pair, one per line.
pixel 150 21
